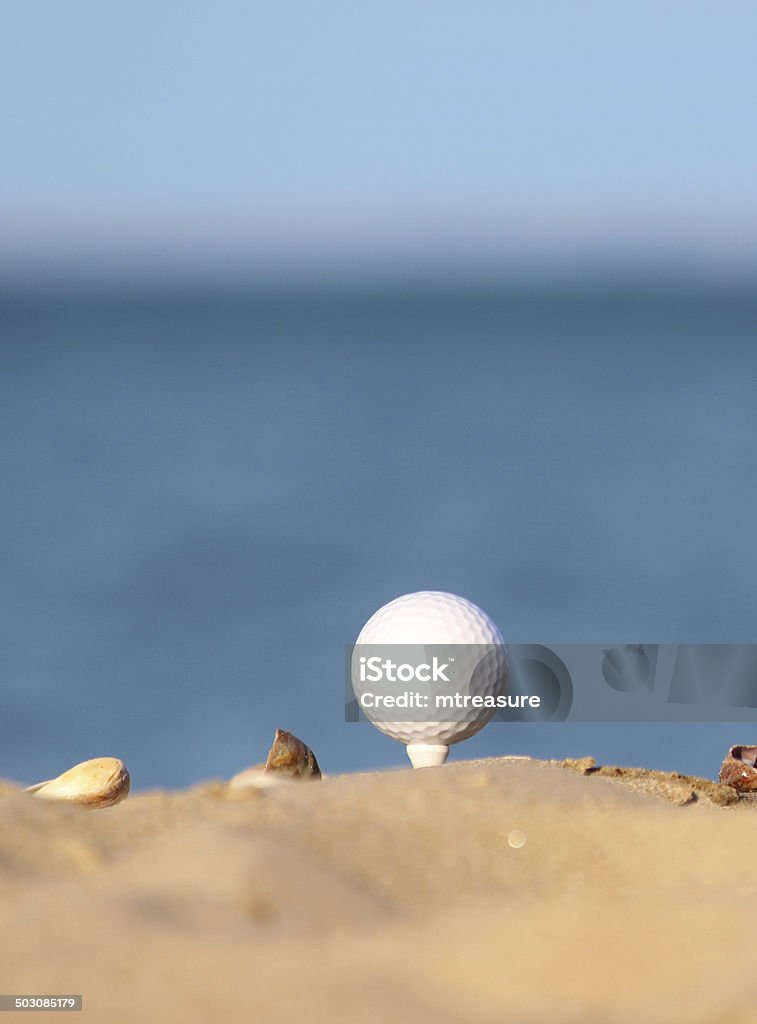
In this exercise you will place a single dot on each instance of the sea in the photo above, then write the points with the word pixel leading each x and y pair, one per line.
pixel 206 492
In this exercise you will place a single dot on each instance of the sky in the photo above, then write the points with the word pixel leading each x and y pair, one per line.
pixel 318 141
pixel 295 132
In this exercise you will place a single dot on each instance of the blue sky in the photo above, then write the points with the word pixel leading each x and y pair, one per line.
pixel 296 128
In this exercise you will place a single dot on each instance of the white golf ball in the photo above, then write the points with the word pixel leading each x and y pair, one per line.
pixel 435 618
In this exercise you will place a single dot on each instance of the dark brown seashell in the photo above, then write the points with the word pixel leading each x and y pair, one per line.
pixel 740 768
pixel 290 755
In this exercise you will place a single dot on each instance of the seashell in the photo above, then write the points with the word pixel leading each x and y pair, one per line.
pixel 258 778
pixel 740 767
pixel 288 760
pixel 290 755
pixel 101 782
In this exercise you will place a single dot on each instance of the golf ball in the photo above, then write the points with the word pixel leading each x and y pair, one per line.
pixel 417 622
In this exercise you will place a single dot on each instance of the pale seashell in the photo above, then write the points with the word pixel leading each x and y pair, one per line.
pixel 101 782
pixel 258 778
pixel 740 767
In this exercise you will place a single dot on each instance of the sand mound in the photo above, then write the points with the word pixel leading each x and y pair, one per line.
pixel 390 897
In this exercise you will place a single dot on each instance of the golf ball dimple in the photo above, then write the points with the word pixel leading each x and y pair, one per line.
pixel 430 618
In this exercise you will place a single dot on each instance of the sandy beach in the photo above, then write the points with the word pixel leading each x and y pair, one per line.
pixel 480 891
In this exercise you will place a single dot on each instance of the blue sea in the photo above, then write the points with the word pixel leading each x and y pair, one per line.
pixel 206 493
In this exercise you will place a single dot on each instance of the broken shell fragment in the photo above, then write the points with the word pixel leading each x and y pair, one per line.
pixel 740 768
pixel 290 755
pixel 258 778
pixel 101 782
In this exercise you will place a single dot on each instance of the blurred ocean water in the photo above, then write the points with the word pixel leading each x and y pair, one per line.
pixel 206 494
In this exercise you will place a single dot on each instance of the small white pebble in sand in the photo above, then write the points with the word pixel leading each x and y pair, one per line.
pixel 516 839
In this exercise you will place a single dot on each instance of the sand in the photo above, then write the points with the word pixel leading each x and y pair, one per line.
pixel 391 897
